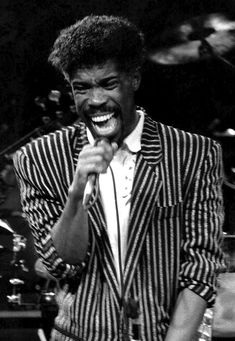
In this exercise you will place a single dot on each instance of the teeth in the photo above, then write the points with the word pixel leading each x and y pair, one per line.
pixel 102 118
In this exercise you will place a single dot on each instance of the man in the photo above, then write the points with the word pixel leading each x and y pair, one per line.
pixel 137 255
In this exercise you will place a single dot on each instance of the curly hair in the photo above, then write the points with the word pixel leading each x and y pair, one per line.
pixel 96 39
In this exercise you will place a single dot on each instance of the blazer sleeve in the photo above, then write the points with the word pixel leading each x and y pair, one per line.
pixel 202 256
pixel 42 210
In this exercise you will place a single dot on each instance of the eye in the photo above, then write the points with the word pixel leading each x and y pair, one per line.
pixel 80 89
pixel 110 84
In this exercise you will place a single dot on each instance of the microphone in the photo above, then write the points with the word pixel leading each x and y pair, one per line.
pixel 92 185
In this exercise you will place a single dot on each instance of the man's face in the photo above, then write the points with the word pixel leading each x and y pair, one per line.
pixel 104 99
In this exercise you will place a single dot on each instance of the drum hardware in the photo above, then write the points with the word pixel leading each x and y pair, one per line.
pixel 17 264
pixel 14 299
pixel 16 281
pixel 48 304
pixel 19 243
pixel 10 250
pixel 19 283
pixel 49 288
pixel 48 292
pixel 47 297
pixel 54 96
pixel 229 132
pixel 21 264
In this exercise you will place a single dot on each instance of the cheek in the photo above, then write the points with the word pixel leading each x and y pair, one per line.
pixel 79 102
pixel 79 108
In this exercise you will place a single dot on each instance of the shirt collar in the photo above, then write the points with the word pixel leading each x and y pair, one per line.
pixel 133 140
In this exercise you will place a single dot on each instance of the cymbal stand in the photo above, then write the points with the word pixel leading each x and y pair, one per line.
pixel 206 48
pixel 19 243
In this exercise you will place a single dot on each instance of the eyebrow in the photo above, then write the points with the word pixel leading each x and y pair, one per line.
pixel 105 79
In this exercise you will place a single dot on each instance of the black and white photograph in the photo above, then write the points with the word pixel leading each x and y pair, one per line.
pixel 117 170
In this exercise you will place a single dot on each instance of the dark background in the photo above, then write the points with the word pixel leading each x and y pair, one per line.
pixel 189 96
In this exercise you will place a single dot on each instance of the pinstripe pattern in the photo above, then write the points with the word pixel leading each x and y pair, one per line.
pixel 174 231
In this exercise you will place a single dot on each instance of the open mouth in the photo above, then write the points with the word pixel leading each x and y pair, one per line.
pixel 105 124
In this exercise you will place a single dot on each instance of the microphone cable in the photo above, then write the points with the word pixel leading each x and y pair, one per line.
pixel 118 232
pixel 89 200
pixel 129 308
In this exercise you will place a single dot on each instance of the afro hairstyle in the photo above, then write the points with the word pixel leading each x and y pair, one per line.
pixel 96 39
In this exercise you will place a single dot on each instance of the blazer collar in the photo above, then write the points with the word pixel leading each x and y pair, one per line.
pixel 151 147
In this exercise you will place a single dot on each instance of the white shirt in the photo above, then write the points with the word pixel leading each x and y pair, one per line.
pixel 123 166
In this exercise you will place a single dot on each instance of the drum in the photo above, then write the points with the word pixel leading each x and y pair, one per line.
pixel 19 283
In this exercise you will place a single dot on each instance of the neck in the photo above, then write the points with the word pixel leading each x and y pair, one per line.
pixel 134 124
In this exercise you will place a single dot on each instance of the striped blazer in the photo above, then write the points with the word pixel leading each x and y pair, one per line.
pixel 174 239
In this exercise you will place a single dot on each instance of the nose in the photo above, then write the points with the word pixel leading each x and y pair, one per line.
pixel 97 97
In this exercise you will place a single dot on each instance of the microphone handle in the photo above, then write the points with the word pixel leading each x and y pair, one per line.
pixel 92 181
pixel 90 186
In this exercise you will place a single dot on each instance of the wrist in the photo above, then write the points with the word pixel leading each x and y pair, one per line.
pixel 76 192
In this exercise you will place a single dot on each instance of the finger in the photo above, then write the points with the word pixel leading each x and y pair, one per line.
pixel 114 147
pixel 111 147
pixel 91 168
pixel 94 164
pixel 105 150
pixel 95 155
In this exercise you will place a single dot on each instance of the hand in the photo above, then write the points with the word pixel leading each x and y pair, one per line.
pixel 92 160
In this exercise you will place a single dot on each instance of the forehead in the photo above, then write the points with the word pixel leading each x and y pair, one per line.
pixel 100 71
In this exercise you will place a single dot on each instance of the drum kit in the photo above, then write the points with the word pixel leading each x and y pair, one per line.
pixel 18 244
pixel 22 286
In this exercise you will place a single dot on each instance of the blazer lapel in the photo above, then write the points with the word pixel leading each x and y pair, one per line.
pixel 105 255
pixel 98 225
pixel 146 187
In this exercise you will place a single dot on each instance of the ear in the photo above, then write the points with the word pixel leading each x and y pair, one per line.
pixel 136 79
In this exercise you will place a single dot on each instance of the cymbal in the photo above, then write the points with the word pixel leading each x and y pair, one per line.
pixel 198 38
pixel 226 133
pixel 5 226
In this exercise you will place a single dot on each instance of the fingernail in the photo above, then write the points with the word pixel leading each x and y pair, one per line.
pixel 114 146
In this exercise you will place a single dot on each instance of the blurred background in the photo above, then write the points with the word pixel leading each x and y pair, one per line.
pixel 188 81
pixel 190 92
